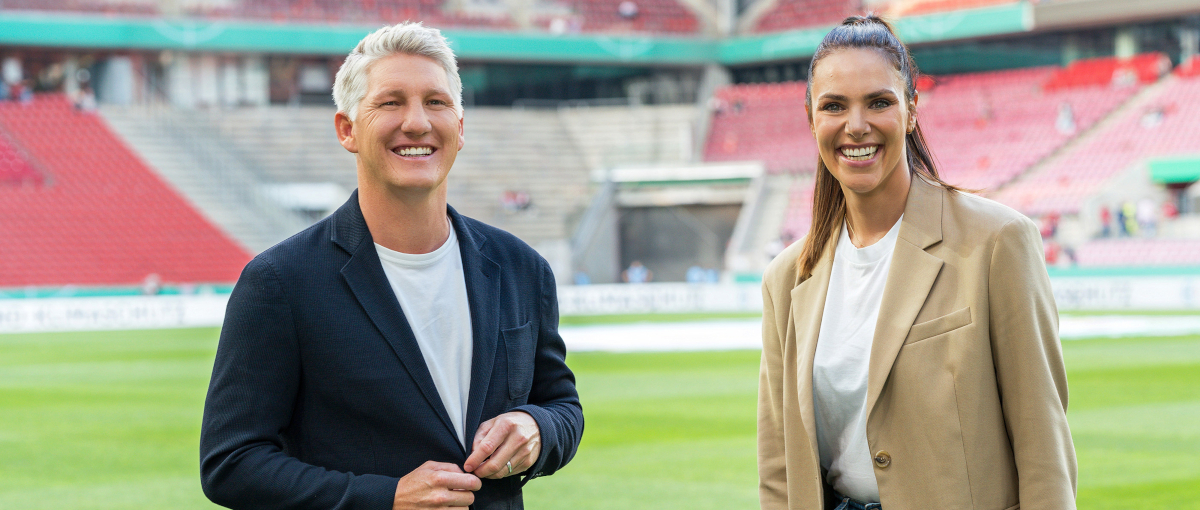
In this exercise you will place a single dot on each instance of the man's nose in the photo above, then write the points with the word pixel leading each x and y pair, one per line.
pixel 416 121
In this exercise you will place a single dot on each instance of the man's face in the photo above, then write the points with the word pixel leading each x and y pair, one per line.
pixel 407 132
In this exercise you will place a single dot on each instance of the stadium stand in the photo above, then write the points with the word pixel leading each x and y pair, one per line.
pixel 765 122
pixel 622 136
pixel 93 6
pixel 985 129
pixel 793 14
pixel 1189 68
pixel 1126 252
pixel 799 211
pixel 653 16
pixel 648 16
pixel 15 170
pixel 362 11
pixel 106 219
pixel 1144 68
pixel 529 153
pixel 918 7
pixel 1163 122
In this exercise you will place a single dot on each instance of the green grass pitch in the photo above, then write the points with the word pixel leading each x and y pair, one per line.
pixel 111 420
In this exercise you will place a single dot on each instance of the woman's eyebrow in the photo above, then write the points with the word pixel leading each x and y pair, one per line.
pixel 873 95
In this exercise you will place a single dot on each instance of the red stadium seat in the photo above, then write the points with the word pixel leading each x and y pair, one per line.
pixel 1162 125
pixel 102 217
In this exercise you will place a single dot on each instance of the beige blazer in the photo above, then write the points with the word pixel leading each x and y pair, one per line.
pixel 966 392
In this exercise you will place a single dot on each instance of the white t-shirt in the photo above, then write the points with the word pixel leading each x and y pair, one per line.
pixel 840 366
pixel 432 292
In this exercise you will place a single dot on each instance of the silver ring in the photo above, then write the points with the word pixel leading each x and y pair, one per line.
pixel 509 464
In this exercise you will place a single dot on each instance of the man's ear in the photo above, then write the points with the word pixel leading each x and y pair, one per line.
pixel 345 131
pixel 460 133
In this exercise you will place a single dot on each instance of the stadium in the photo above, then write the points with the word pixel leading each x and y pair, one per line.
pixel 655 152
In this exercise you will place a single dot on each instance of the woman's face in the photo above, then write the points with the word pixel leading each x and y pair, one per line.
pixel 860 116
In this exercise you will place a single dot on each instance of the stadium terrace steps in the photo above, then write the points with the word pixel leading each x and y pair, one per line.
pixel 622 136
pixel 106 219
pixel 190 153
pixel 286 144
pixel 527 158
pixel 522 152
pixel 1158 122
pixel 773 204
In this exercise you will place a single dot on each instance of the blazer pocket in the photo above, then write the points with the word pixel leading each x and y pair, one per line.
pixel 519 347
pixel 939 326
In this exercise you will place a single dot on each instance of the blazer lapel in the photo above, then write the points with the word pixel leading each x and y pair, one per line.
pixel 483 296
pixel 909 281
pixel 364 274
pixel 808 306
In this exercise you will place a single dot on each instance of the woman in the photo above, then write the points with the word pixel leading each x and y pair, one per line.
pixel 911 359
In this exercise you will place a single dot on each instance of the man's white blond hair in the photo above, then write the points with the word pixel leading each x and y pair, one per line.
pixel 350 86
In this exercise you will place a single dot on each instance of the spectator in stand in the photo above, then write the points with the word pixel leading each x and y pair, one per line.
pixel 1105 221
pixel 627 9
pixel 1065 123
pixel 85 98
pixel 1129 211
pixel 1169 210
pixel 911 356
pixel 1147 217
pixel 637 273
pixel 1122 225
pixel 26 91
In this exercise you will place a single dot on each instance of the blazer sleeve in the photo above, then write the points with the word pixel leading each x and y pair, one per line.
pixel 772 472
pixel 253 390
pixel 1029 368
pixel 553 400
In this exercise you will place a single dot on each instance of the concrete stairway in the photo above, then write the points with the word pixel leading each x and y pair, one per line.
pixel 645 135
pixel 213 177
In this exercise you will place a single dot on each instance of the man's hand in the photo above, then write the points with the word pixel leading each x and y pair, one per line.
pixel 511 439
pixel 436 485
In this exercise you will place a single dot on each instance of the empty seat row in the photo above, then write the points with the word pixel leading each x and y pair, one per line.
pixel 104 218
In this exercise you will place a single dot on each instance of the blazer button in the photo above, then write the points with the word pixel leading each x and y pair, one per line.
pixel 883 459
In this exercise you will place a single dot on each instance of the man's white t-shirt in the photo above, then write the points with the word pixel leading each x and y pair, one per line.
pixel 843 355
pixel 432 292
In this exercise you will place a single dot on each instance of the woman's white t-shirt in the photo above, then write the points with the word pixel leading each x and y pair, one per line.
pixel 840 366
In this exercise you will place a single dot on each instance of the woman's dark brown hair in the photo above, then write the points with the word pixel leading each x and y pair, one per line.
pixel 829 204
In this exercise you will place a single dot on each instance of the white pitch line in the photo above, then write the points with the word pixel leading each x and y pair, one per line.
pixel 747 333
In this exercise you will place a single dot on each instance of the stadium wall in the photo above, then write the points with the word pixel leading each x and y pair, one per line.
pixel 1125 290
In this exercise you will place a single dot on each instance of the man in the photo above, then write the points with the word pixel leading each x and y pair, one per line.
pixel 396 354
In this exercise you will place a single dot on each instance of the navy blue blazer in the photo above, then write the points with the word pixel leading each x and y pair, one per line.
pixel 320 397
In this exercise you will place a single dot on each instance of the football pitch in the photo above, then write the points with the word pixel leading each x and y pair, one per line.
pixel 110 420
